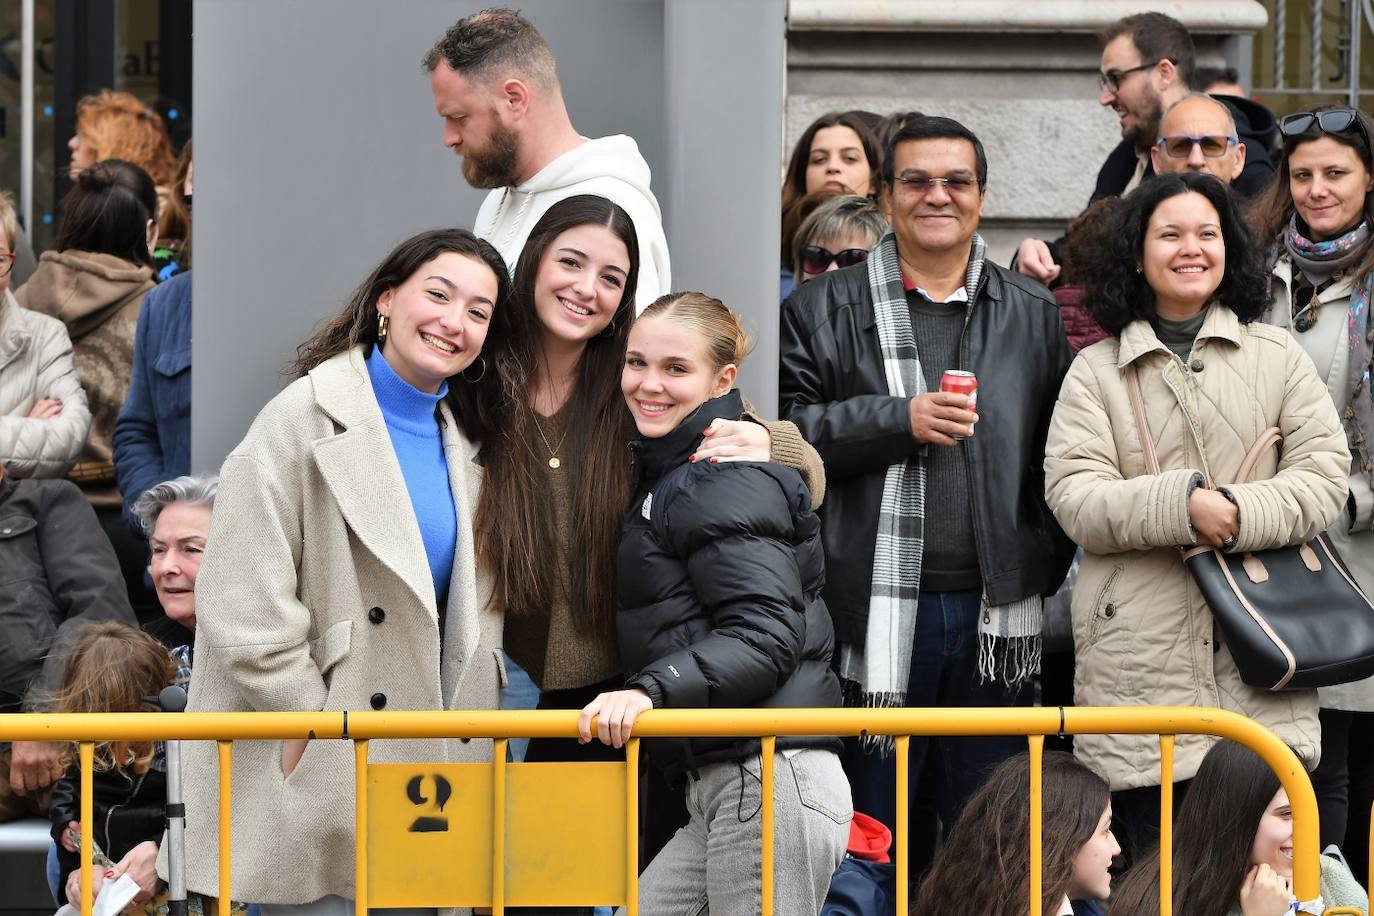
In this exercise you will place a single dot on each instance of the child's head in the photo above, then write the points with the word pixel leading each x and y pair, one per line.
pixel 985 865
pixel 1234 816
pixel 112 667
pixel 684 349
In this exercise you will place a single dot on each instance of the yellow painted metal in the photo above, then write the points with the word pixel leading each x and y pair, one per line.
pixel 768 748
pixel 903 817
pixel 361 898
pixel 632 827
pixel 87 754
pixel 716 722
pixel 1037 811
pixel 226 816
pixel 498 826
pixel 1166 825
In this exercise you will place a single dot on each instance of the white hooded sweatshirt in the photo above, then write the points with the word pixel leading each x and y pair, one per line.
pixel 610 167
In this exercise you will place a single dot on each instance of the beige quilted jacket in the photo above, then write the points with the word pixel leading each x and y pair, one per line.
pixel 36 362
pixel 1142 633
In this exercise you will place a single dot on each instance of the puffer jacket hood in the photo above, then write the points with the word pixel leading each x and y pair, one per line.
pixel 1143 636
pixel 1257 126
pixel 609 167
pixel 720 574
pixel 83 288
pixel 36 362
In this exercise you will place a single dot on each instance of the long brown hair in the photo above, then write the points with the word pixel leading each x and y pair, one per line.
pixel 515 532
pixel 1213 837
pixel 984 867
pixel 356 325
pixel 1273 211
pixel 111 668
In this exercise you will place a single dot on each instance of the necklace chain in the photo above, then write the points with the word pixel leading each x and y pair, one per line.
pixel 554 462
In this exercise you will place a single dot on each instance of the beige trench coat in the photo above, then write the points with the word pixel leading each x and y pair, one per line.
pixel 1142 633
pixel 312 530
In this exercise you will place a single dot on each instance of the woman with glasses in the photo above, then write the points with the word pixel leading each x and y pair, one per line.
pixel 1178 280
pixel 1320 216
pixel 839 233
pixel 43 412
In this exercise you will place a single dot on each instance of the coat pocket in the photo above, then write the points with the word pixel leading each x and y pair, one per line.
pixel 1104 608
pixel 332 647
pixel 172 380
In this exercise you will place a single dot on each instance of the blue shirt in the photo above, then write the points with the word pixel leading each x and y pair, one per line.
pixel 419 444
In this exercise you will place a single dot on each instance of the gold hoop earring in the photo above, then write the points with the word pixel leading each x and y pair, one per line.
pixel 381 328
pixel 480 375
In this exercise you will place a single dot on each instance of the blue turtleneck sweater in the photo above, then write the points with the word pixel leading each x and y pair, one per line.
pixel 419 444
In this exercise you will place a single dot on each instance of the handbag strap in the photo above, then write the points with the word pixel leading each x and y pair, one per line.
pixel 1271 436
pixel 1142 425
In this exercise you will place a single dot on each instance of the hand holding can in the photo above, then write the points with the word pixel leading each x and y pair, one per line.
pixel 958 381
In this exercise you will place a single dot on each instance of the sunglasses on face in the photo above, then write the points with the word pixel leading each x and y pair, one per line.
pixel 1330 121
pixel 1180 146
pixel 817 260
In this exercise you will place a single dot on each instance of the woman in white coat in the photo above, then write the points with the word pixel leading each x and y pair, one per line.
pixel 1320 215
pixel 339 570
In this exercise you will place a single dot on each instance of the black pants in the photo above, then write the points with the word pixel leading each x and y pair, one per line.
pixel 1344 782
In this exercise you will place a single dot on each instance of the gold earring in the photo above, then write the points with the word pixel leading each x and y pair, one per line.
pixel 381 329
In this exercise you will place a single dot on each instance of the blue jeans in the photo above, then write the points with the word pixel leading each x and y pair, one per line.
pixel 520 692
pixel 944 673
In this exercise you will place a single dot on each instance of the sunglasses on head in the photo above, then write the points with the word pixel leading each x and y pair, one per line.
pixel 1180 146
pixel 1330 121
pixel 817 260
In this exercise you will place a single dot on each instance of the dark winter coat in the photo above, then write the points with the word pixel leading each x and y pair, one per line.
pixel 832 385
pixel 128 810
pixel 720 576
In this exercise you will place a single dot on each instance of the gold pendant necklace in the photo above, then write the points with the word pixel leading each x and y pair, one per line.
pixel 553 452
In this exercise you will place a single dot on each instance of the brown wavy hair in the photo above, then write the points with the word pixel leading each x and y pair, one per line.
pixel 112 667
pixel 119 126
pixel 174 222
pixel 984 867
pixel 515 532
pixel 471 401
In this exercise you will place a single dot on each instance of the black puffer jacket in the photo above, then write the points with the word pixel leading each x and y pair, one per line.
pixel 721 570
pixel 833 387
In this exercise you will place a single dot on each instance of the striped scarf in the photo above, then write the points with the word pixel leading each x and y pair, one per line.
pixel 877 673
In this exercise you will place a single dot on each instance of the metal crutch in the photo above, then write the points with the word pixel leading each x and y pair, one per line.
pixel 173 699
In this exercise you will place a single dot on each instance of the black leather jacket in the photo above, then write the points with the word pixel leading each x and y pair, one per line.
pixel 831 384
pixel 720 575
pixel 128 809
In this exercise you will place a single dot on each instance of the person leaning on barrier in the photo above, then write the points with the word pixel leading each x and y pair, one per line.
pixel 43 413
pixel 1179 279
pixel 1233 848
pixel 57 573
pixel 1319 220
pixel 339 571
pixel 921 552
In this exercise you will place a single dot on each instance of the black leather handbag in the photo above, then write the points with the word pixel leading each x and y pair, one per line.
pixel 1293 617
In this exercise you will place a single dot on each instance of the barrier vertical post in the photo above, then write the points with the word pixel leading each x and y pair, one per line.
pixel 767 746
pixel 360 898
pixel 498 826
pixel 632 827
pixel 87 753
pixel 1037 869
pixel 1166 825
pixel 903 817
pixel 226 788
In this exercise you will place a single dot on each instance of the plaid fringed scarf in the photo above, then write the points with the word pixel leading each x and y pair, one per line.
pixel 877 673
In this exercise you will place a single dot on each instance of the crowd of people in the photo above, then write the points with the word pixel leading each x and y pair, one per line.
pixel 440 510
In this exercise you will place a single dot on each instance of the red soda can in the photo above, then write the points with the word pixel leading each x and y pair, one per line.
pixel 958 381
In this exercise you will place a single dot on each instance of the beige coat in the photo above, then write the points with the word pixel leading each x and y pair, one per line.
pixel 1328 343
pixel 312 529
pixel 1142 633
pixel 36 362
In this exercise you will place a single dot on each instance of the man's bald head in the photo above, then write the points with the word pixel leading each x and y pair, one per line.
pixel 1194 126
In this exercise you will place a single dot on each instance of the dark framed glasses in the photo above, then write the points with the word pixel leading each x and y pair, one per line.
pixel 1111 79
pixel 817 260
pixel 6 263
pixel 1330 121
pixel 1180 146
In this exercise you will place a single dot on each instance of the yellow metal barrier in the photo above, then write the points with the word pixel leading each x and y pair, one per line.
pixel 362 727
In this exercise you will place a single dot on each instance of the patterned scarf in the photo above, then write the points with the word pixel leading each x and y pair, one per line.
pixel 1358 415
pixel 877 673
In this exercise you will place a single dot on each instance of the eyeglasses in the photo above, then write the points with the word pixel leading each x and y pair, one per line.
pixel 6 264
pixel 1180 146
pixel 817 260
pixel 1111 80
pixel 921 184
pixel 1330 121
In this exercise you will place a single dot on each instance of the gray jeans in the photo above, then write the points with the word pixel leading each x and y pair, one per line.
pixel 713 865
